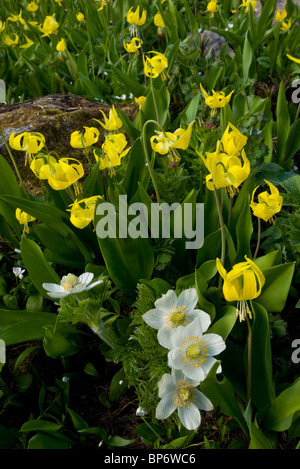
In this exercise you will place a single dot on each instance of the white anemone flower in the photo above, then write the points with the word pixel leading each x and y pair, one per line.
pixel 179 392
pixel 172 311
pixel 71 284
pixel 193 352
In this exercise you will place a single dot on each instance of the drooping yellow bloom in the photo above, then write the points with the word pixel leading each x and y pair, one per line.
pixel 2 26
pixel 9 41
pixel 212 8
pixel 268 204
pixel 227 171
pixel 113 150
pixel 285 25
pixel 154 65
pixel 112 122
pixel 247 3
pixel 32 6
pixel 103 3
pixel 294 59
pixel 61 45
pixel 133 45
pixel 82 211
pixel 140 101
pixel 60 173
pixel 167 142
pixel 16 18
pixel 244 282
pixel 50 26
pixel 79 140
pixel 233 142
pixel 158 21
pixel 30 142
pixel 80 16
pixel 23 218
pixel 28 43
pixel 217 100
pixel 280 15
pixel 133 17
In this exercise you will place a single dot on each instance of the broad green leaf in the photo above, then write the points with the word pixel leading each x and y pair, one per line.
pixel 258 440
pixel 221 393
pixel 225 324
pixel 278 280
pixel 262 385
pixel 56 345
pixel 78 422
pixel 281 413
pixel 282 123
pixel 39 269
pixel 40 425
pixel 49 441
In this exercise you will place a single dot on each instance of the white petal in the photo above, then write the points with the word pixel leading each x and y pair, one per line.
pixel 166 385
pixel 164 337
pixel 167 301
pixel 53 287
pixel 209 363
pixel 165 407
pixel 201 401
pixel 78 288
pixel 154 318
pixel 59 294
pixel 214 343
pixel 204 317
pixel 92 285
pixel 86 277
pixel 189 416
pixel 189 298
pixel 193 372
pixel 174 358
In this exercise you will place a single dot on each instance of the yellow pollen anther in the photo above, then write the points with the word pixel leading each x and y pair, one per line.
pixel 70 282
pixel 177 318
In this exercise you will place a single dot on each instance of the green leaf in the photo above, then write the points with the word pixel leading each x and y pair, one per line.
pixel 56 345
pixel 78 422
pixel 38 268
pixel 281 413
pixel 282 123
pixel 278 280
pixel 117 441
pixel 262 385
pixel 221 392
pixel 118 385
pixel 40 425
pixel 49 441
pixel 225 324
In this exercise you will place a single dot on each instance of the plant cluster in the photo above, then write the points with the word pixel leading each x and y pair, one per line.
pixel 208 328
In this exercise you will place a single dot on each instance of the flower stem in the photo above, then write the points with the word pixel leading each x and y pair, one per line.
pixel 223 241
pixel 154 101
pixel 249 360
pixel 258 238
pixel 13 162
pixel 148 159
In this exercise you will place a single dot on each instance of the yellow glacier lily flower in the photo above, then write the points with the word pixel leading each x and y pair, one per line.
pixel 212 8
pixel 30 142
pixel 79 140
pixel 103 4
pixel 165 142
pixel 133 45
pixel 2 26
pixel 32 6
pixel 247 3
pixel 16 18
pixel 268 204
pixel 82 211
pixel 243 283
pixel 285 25
pixel 27 44
pixel 280 15
pixel 133 17
pixel 140 101
pixel 233 142
pixel 227 171
pixel 61 45
pixel 294 59
pixel 50 26
pixel 217 100
pixel 60 173
pixel 80 17
pixel 155 64
pixel 158 21
pixel 24 218
pixel 113 122
pixel 113 151
pixel 9 41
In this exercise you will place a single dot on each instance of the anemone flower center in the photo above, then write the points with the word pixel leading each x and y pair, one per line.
pixel 70 282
